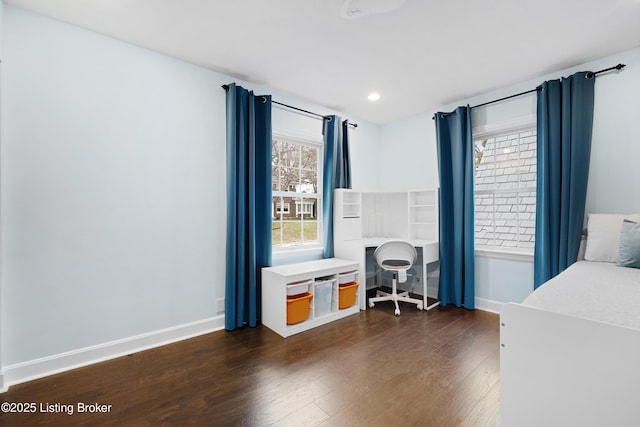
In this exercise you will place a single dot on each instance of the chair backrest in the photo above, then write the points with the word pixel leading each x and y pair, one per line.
pixel 395 255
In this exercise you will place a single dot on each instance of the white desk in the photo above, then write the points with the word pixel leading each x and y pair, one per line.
pixel 367 219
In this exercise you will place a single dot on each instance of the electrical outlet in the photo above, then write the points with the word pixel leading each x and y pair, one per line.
pixel 220 305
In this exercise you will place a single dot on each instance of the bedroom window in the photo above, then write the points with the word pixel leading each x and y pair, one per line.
pixel 297 183
pixel 505 190
pixel 282 208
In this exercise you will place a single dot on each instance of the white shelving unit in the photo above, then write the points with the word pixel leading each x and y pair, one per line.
pixel 423 214
pixel 348 207
pixel 315 273
pixel 406 215
pixel 351 205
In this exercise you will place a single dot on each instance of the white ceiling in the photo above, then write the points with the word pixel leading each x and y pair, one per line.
pixel 418 57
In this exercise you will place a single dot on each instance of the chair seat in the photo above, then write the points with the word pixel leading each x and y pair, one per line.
pixel 395 264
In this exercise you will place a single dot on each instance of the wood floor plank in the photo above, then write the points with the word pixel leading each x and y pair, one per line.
pixel 437 368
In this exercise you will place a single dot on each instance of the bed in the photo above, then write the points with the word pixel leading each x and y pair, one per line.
pixel 570 353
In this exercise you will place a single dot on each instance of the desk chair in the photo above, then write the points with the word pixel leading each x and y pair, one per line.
pixel 395 256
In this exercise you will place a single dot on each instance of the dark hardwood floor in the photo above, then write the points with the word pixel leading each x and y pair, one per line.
pixel 439 368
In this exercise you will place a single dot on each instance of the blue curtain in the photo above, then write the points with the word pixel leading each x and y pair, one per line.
pixel 455 161
pixel 248 204
pixel 337 173
pixel 565 119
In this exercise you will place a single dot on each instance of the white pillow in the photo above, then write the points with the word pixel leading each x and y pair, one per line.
pixel 603 236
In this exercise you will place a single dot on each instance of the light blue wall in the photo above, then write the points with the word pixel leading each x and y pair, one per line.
pixel 113 187
pixel 405 164
pixel 108 152
pixel 614 171
pixel 509 279
pixel 614 156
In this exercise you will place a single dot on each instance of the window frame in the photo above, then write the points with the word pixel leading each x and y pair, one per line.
pixel 492 130
pixel 315 142
pixel 300 208
pixel 281 205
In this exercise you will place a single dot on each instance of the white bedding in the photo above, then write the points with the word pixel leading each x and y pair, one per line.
pixel 593 290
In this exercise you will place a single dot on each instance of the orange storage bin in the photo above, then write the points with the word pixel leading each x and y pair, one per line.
pixel 347 294
pixel 298 308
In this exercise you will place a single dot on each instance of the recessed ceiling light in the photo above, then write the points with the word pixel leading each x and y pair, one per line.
pixel 373 96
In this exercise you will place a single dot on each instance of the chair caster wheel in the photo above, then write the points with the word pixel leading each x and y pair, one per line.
pixel 420 306
pixel 371 305
pixel 397 312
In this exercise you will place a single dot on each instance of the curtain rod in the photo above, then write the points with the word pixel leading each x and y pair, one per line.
pixel 589 75
pixel 355 125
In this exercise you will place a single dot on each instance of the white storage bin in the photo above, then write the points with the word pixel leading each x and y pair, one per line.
pixel 348 277
pixel 297 288
pixel 322 297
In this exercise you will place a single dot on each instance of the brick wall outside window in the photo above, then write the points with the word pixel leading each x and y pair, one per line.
pixel 505 191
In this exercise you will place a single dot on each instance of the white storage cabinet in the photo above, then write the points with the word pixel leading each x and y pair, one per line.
pixel 321 278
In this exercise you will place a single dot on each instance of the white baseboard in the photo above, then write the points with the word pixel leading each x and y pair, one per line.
pixel 488 305
pixel 38 368
pixel 481 303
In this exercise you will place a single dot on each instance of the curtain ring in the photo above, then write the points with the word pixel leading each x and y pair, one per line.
pixel 264 99
pixel 589 75
pixel 329 118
